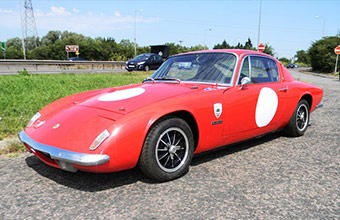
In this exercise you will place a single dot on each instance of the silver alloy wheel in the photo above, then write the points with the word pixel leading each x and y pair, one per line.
pixel 302 117
pixel 172 149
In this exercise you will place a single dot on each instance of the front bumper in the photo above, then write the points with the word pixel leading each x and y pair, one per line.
pixel 134 67
pixel 64 158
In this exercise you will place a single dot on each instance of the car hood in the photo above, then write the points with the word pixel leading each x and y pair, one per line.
pixel 73 122
pixel 136 60
pixel 129 98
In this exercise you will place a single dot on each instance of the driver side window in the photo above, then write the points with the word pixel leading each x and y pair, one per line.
pixel 259 70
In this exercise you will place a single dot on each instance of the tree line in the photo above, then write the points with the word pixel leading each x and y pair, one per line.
pixel 320 56
pixel 52 47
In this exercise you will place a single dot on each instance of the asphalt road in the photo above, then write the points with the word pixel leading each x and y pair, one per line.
pixel 274 177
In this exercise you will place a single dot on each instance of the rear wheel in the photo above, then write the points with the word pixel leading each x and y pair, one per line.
pixel 298 123
pixel 168 150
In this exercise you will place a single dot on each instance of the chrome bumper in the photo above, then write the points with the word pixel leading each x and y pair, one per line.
pixel 64 157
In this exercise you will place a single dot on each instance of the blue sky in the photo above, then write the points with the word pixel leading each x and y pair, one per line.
pixel 288 26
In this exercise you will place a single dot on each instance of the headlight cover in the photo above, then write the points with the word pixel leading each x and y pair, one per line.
pixel 99 139
pixel 141 63
pixel 34 119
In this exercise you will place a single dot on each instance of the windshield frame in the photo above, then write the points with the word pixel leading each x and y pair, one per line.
pixel 163 71
pixel 143 56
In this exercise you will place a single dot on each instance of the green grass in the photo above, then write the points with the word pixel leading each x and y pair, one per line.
pixel 21 96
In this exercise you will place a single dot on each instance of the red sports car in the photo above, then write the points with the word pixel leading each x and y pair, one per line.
pixel 193 103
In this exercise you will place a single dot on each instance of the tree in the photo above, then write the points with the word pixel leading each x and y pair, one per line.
pixel 224 45
pixel 14 49
pixel 173 48
pixel 50 38
pixel 268 49
pixel 52 47
pixel 126 49
pixel 302 57
pixel 239 46
pixel 197 47
pixel 249 45
pixel 108 48
pixel 176 48
pixel 321 53
pixel 284 60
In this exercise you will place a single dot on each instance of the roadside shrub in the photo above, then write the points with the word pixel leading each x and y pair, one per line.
pixel 24 72
pixel 322 54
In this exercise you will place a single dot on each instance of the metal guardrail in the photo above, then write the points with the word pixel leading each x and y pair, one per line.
pixel 37 66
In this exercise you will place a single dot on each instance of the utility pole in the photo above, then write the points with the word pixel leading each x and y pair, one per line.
pixel 259 27
pixel 134 31
pixel 28 26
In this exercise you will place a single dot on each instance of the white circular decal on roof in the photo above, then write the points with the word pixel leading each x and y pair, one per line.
pixel 121 94
pixel 266 107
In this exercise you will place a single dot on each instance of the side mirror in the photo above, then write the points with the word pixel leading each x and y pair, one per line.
pixel 245 81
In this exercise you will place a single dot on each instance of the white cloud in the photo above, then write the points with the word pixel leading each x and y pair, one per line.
pixel 55 11
pixel 6 11
pixel 89 23
pixel 117 14
pixel 59 11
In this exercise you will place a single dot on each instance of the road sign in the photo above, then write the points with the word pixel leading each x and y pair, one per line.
pixel 3 46
pixel 337 50
pixel 72 48
pixel 261 47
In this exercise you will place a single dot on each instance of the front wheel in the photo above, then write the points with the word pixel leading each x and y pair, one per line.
pixel 168 150
pixel 146 68
pixel 298 123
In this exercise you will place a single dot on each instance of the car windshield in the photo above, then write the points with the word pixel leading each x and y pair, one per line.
pixel 142 57
pixel 198 67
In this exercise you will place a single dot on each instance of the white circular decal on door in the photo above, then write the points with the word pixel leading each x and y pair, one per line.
pixel 121 94
pixel 266 107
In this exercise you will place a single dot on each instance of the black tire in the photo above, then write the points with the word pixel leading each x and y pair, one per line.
pixel 299 121
pixel 146 68
pixel 168 150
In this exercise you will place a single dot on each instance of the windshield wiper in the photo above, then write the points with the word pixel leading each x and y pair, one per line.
pixel 164 78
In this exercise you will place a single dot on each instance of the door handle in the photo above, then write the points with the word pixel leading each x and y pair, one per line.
pixel 285 89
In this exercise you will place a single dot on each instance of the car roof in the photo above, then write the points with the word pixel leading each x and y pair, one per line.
pixel 239 52
pixel 147 54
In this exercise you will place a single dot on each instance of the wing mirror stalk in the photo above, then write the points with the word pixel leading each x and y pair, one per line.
pixel 245 81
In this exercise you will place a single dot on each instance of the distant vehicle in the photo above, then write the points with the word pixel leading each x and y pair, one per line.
pixel 145 61
pixel 292 65
pixel 76 59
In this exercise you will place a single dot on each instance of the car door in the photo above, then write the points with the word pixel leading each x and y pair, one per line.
pixel 158 61
pixel 153 62
pixel 255 108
